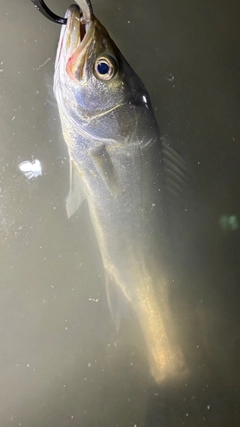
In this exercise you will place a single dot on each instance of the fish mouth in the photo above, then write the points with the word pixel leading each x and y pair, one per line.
pixel 75 35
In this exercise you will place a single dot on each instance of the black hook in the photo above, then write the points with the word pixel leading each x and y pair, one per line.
pixel 42 7
pixel 86 8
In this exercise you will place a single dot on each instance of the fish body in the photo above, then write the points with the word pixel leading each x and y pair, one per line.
pixel 116 164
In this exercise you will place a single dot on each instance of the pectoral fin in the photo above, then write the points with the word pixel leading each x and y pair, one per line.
pixel 76 195
pixel 106 168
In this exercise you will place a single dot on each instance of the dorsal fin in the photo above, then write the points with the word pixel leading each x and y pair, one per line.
pixel 177 174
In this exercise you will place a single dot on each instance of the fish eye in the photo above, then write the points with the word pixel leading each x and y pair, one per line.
pixel 105 68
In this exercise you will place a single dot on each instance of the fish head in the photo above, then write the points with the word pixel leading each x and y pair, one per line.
pixel 94 85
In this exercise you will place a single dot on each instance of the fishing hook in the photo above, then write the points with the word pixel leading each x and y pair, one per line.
pixel 86 8
pixel 42 7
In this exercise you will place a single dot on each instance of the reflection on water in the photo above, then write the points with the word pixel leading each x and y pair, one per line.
pixel 31 170
pixel 61 360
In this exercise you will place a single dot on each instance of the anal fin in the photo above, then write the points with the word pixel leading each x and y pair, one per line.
pixel 117 301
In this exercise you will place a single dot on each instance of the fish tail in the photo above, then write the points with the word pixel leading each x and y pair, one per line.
pixel 166 358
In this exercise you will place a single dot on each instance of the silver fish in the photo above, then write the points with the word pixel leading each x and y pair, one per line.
pixel 116 163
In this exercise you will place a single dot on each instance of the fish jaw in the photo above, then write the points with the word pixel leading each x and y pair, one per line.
pixel 74 39
pixel 73 16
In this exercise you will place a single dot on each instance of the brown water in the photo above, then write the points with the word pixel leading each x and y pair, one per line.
pixel 61 361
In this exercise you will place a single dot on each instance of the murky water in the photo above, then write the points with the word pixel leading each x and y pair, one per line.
pixel 62 363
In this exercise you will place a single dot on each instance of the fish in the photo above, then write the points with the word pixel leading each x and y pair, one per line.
pixel 117 160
